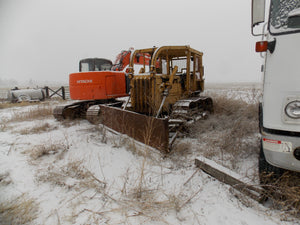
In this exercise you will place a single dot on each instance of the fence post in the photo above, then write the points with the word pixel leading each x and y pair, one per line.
pixel 63 92
pixel 55 92
pixel 47 91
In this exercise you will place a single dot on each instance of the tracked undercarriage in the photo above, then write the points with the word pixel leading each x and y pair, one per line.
pixel 79 109
pixel 187 111
pixel 159 133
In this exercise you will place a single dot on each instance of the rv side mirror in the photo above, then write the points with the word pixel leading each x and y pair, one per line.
pixel 258 14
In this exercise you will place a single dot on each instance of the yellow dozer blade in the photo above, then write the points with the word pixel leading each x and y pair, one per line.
pixel 146 129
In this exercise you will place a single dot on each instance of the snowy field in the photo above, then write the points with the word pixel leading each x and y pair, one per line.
pixel 74 172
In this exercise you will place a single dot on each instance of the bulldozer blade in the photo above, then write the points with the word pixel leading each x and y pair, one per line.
pixel 146 129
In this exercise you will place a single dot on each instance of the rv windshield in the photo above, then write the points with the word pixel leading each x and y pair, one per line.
pixel 284 16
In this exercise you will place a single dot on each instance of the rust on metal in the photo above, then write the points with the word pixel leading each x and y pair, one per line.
pixel 146 129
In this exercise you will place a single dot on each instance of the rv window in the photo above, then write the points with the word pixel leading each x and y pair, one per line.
pixel 284 16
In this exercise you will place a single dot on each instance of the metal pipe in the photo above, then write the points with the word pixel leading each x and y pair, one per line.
pixel 166 93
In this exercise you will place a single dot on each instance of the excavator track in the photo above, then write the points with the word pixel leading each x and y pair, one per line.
pixel 93 114
pixel 73 111
pixel 79 109
pixel 58 113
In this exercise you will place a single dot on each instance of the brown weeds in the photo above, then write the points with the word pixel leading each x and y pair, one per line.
pixel 231 133
pixel 285 193
pixel 71 175
pixel 40 128
pixel 21 210
pixel 5 105
pixel 39 151
pixel 40 112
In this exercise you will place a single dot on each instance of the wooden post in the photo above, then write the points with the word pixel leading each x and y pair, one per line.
pixel 63 93
pixel 188 72
pixel 47 91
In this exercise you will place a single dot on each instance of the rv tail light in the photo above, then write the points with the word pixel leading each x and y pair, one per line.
pixel 261 46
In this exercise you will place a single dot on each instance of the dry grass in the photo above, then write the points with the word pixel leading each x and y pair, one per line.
pixel 180 154
pixel 39 151
pixel 5 105
pixel 226 133
pixel 69 123
pixel 40 112
pixel 21 210
pixel 231 133
pixel 285 193
pixel 145 204
pixel 49 147
pixel 149 205
pixel 39 128
pixel 72 175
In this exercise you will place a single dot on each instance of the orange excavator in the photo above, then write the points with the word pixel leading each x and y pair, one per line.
pixel 98 81
pixel 163 86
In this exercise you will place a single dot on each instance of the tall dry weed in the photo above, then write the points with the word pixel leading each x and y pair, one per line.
pixel 5 105
pixel 231 133
pixel 73 175
pixel 39 151
pixel 32 113
pixel 37 129
pixel 284 193
pixel 21 210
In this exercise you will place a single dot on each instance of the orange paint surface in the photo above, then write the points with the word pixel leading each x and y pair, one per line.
pixel 96 85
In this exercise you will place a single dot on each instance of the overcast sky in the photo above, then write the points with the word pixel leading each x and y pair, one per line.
pixel 44 39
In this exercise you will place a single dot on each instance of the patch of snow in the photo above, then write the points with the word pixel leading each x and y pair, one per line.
pixel 128 183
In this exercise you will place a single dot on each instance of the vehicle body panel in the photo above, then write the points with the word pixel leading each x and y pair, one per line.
pixel 97 85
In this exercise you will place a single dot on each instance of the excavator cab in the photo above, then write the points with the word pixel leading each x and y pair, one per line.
pixel 94 64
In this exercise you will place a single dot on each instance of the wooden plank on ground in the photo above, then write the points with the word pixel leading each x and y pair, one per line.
pixel 229 177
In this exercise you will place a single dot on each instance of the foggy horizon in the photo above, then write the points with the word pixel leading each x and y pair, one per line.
pixel 44 40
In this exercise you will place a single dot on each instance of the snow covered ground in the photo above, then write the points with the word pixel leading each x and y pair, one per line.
pixel 77 173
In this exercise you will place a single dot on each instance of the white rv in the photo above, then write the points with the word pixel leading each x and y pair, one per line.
pixel 278 24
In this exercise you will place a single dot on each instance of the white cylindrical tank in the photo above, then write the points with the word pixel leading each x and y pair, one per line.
pixel 26 95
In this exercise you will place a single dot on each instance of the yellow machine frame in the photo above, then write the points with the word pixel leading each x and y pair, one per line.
pixel 164 82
